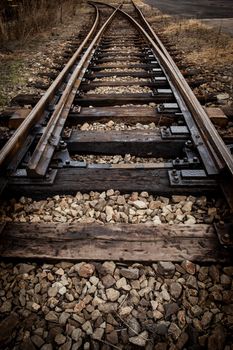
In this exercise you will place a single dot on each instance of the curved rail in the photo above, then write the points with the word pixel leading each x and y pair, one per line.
pixel 219 156
pixel 16 141
pixel 43 152
pixel 207 129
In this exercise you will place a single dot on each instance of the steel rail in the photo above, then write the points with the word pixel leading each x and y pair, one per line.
pixel 205 153
pixel 41 157
pixel 221 152
pixel 16 141
pixel 218 153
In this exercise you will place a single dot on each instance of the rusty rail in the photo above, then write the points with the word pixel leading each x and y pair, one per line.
pixel 214 142
pixel 216 155
pixel 16 141
pixel 45 148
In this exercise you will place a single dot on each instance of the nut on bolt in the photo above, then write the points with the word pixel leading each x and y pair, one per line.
pixel 188 143
pixel 166 130
pixel 161 107
pixel 62 144
pixel 226 237
pixel 221 224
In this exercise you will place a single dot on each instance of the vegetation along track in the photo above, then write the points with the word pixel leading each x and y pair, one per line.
pixel 119 116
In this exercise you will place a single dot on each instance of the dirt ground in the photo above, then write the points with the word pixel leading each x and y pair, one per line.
pixel 196 9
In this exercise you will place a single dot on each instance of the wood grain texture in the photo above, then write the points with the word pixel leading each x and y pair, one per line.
pixel 135 142
pixel 145 66
pixel 129 115
pixel 121 99
pixel 126 242
pixel 69 181
pixel 157 84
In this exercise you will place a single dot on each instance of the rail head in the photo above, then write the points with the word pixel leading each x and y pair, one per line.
pixel 219 150
pixel 17 139
pixel 41 157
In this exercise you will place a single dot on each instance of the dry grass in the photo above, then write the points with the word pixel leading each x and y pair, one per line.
pixel 200 42
pixel 32 17
pixel 208 50
pixel 146 9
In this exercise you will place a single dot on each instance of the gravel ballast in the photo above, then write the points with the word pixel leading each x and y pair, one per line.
pixel 121 90
pixel 122 79
pixel 117 159
pixel 109 305
pixel 113 207
pixel 111 125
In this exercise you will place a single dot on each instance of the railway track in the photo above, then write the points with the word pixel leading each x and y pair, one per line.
pixel 119 116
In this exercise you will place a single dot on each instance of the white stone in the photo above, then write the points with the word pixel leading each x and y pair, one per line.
pixel 140 339
pixel 62 290
pixel 87 327
pixel 112 294
pixel 121 283
pixel 140 204
pixel 94 280
pixel 60 339
pixel 125 311
pixel 98 333
pixel 109 212
pixel 190 220
pixel 76 334
pixel 35 306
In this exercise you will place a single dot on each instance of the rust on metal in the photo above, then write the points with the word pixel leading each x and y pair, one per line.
pixel 15 142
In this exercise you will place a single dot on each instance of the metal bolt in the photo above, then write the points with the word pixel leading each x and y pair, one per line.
pixel 63 145
pixel 174 172
pixel 67 161
pixel 177 160
pixel 161 107
pixel 185 159
pixel 176 178
pixel 195 159
pixel 166 131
